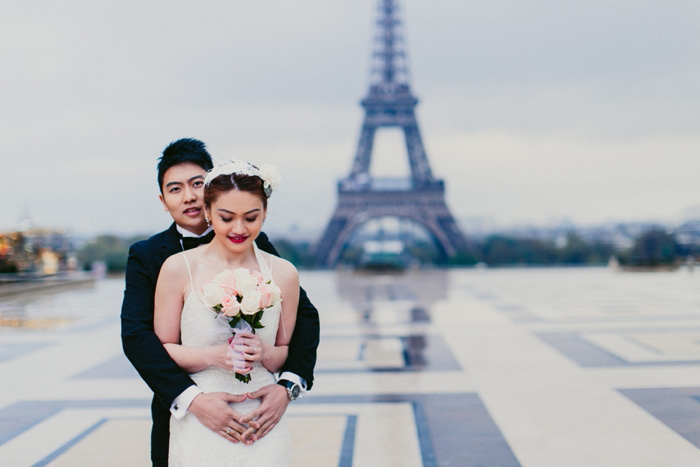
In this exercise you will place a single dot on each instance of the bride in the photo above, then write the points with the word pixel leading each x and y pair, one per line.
pixel 235 197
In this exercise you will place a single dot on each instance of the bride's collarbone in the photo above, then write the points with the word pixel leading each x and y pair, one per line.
pixel 207 270
pixel 213 261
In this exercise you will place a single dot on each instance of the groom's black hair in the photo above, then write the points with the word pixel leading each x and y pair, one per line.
pixel 180 151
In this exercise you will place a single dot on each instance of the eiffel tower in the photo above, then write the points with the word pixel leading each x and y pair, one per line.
pixel 420 198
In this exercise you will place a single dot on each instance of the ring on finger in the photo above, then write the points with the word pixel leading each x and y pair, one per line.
pixel 228 430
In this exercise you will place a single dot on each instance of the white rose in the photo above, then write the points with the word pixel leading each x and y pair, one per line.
pixel 250 303
pixel 276 293
pixel 224 277
pixel 245 282
pixel 270 176
pixel 211 294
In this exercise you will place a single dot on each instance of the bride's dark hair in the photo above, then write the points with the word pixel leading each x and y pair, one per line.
pixel 227 182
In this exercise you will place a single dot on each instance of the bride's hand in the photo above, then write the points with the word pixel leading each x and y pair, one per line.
pixel 251 347
pixel 220 356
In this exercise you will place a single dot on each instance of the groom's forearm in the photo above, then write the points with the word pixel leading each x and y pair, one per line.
pixel 141 346
pixel 146 353
pixel 301 359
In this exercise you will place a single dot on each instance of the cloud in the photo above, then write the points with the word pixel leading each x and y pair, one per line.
pixel 529 110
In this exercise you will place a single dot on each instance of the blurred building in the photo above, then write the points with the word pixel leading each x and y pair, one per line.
pixel 688 233
pixel 34 250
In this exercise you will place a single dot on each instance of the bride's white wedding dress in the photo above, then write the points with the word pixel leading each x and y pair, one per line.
pixel 191 443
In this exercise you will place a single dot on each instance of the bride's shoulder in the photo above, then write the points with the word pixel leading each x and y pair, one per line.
pixel 175 265
pixel 282 270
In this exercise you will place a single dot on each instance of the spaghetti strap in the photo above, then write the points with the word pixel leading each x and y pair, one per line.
pixel 189 271
pixel 266 270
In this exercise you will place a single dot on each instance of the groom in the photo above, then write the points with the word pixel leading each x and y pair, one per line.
pixel 181 173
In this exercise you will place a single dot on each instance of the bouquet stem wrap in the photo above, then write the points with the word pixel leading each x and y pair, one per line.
pixel 239 363
pixel 241 297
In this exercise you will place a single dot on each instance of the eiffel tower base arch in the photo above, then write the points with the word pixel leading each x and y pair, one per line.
pixel 420 198
pixel 425 207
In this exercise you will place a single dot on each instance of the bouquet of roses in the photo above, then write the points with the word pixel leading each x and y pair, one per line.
pixel 242 297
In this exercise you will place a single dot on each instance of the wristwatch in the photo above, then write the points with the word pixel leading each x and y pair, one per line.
pixel 293 389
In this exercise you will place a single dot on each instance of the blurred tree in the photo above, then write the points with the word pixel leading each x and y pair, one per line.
pixel 654 247
pixel 110 249
pixel 577 251
pixel 296 253
pixel 423 251
pixel 351 254
pixel 501 250
pixel 8 266
pixel 465 258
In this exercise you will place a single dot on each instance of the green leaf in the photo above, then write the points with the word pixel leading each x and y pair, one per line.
pixel 243 378
pixel 234 321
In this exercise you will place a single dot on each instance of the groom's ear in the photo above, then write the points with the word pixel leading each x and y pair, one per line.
pixel 162 201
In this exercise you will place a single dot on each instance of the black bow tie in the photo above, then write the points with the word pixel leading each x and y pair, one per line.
pixel 194 242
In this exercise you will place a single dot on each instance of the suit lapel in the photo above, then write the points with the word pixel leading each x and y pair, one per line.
pixel 171 242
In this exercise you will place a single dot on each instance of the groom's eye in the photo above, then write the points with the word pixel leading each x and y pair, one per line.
pixel 198 184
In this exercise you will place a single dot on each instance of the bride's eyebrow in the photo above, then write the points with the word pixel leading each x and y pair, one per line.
pixel 245 213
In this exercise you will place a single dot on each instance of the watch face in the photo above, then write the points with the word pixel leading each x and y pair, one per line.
pixel 294 392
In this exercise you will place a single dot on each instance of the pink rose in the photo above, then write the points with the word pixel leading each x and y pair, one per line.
pixel 257 276
pixel 230 306
pixel 227 281
pixel 265 296
pixel 230 288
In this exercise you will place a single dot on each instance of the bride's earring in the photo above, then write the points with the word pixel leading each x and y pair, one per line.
pixel 206 218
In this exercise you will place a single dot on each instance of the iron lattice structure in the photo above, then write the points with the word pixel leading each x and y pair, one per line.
pixel 421 197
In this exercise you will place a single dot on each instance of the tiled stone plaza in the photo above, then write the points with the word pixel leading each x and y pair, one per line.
pixel 508 367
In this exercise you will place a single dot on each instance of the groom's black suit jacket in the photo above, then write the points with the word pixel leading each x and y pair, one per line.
pixel 149 357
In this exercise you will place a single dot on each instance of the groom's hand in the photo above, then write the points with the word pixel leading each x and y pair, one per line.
pixel 273 404
pixel 212 410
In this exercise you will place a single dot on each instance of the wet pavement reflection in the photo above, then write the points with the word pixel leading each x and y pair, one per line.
pixel 396 307
pixel 433 368
pixel 408 295
pixel 41 304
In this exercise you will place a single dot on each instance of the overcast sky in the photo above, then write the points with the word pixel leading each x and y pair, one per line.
pixel 531 110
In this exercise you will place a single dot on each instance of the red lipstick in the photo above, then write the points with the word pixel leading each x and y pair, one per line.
pixel 237 238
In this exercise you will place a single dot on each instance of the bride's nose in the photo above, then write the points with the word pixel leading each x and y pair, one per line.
pixel 238 227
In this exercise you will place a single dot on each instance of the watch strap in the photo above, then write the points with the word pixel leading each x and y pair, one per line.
pixel 293 389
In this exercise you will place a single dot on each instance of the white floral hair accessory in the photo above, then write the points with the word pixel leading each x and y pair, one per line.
pixel 267 173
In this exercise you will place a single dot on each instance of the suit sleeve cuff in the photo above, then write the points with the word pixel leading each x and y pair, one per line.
pixel 182 402
pixel 294 378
